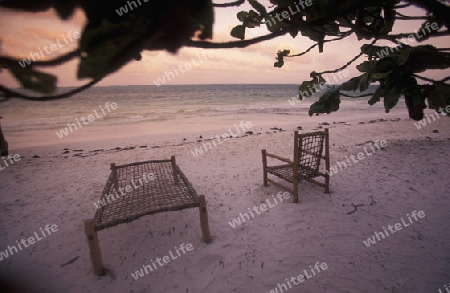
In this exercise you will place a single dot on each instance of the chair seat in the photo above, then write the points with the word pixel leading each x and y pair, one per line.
pixel 286 172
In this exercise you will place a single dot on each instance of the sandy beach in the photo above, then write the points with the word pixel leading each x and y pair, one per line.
pixel 136 139
pixel 58 184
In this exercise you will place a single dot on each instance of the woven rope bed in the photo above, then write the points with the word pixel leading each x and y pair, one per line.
pixel 139 189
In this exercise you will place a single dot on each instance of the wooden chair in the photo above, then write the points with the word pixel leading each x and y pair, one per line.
pixel 308 154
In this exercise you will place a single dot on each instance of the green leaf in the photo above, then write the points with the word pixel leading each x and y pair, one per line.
pixel 391 96
pixel 351 85
pixel 320 80
pixel 306 88
pixel 253 19
pixel 315 33
pixel 65 8
pixel 331 28
pixel 274 25
pixel 364 82
pixel 238 32
pixel 389 20
pixel 258 7
pixel 250 24
pixel 106 48
pixel 34 80
pixel 375 51
pixel 366 66
pixel 404 56
pixel 344 21
pixel 380 76
pixel 242 15
pixel 284 52
pixel 327 103
pixel 322 9
pixel 414 99
pixel 385 65
pixel 426 30
pixel 293 32
pixel 280 58
pixel 439 96
pixel 376 96
pixel 203 19
pixel 279 64
pixel 422 58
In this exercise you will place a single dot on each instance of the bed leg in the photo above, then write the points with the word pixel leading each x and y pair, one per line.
pixel 115 177
pixel 204 222
pixel 94 247
pixel 264 159
pixel 174 169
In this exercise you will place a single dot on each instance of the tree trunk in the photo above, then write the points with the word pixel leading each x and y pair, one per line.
pixel 3 144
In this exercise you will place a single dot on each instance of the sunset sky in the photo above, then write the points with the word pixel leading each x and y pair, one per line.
pixel 25 33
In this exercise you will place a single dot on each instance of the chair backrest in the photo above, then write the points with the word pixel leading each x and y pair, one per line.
pixel 308 151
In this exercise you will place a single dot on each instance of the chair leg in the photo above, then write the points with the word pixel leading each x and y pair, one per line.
pixel 204 222
pixel 295 191
pixel 94 247
pixel 264 159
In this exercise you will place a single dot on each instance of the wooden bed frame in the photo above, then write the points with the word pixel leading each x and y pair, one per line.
pixel 169 190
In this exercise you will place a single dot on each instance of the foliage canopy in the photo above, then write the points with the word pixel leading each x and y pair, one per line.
pixel 109 41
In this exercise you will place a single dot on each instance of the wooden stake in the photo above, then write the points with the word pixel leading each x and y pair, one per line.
pixel 94 247
pixel 204 222
pixel 327 160
pixel 298 149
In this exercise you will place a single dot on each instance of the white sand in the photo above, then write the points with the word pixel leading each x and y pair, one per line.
pixel 410 174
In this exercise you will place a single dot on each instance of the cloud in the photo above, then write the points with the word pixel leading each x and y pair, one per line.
pixel 24 32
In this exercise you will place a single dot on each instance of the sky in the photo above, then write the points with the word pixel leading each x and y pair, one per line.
pixel 24 33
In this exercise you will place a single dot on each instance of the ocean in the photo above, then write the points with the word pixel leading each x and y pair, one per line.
pixel 150 110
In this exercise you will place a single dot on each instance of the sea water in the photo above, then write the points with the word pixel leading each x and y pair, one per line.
pixel 149 110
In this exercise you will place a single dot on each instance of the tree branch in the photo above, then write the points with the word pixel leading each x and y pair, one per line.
pixel 234 44
pixel 349 62
pixel 402 6
pixel 316 44
pixel 244 43
pixel 358 96
pixel 432 80
pixel 230 4
pixel 12 94
pixel 439 9
pixel 405 35
pixel 53 62
pixel 407 17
